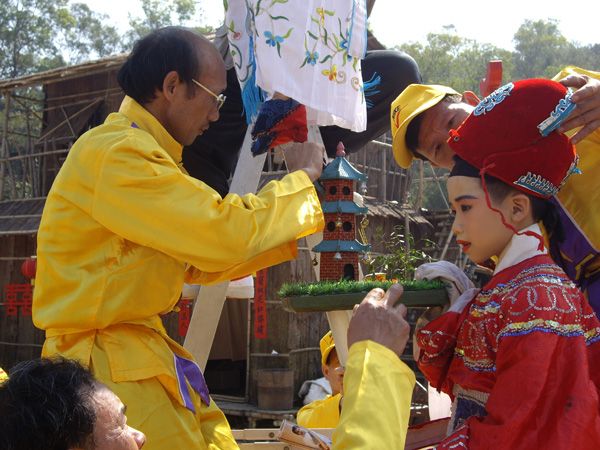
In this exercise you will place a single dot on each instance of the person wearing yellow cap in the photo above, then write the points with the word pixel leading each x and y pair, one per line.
pixel 422 116
pixel 325 413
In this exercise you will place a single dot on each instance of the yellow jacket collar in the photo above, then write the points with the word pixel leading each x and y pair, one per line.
pixel 141 118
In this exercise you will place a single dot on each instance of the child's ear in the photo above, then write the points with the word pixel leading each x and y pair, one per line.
pixel 520 208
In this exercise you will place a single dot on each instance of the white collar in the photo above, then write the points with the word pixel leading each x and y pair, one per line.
pixel 520 248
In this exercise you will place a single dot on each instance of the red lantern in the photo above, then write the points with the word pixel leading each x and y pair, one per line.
pixel 28 268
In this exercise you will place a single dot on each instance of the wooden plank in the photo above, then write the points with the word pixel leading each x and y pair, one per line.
pixel 269 434
pixel 210 300
pixel 266 446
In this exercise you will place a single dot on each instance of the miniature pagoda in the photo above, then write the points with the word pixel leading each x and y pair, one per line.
pixel 340 249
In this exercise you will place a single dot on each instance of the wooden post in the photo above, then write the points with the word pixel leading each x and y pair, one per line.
pixel 4 147
pixel 383 174
pixel 210 300
pixel 419 202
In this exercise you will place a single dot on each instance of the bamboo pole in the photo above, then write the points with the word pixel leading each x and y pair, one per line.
pixel 4 147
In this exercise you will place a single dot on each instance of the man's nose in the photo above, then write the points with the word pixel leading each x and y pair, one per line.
pixel 138 437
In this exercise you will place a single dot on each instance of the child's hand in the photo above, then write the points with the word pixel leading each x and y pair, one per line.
pixel 454 279
pixel 463 300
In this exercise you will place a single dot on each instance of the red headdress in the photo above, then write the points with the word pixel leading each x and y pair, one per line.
pixel 511 136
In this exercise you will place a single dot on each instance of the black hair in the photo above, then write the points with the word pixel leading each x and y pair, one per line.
pixel 541 209
pixel 154 56
pixel 46 404
pixel 328 359
pixel 414 128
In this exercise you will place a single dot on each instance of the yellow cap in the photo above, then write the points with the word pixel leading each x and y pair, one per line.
pixel 413 100
pixel 326 345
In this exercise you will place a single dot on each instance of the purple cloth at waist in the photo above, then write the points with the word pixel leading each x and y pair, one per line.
pixel 188 370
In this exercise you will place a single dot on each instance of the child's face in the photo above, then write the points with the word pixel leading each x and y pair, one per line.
pixel 334 373
pixel 478 229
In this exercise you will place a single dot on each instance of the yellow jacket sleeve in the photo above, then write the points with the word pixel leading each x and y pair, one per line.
pixel 378 389
pixel 324 413
pixel 146 199
pixel 573 70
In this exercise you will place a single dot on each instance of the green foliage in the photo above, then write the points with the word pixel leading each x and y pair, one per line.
pixel 86 35
pixel 159 14
pixel 452 60
pixel 349 286
pixel 42 34
pixel 540 51
pixel 399 262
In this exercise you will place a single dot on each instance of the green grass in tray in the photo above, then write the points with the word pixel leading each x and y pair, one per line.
pixel 349 286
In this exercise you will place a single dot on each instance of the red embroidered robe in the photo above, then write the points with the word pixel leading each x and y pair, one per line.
pixel 521 362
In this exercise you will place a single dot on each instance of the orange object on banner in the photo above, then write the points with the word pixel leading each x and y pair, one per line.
pixel 260 305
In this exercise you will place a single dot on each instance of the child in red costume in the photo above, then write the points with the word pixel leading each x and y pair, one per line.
pixel 521 359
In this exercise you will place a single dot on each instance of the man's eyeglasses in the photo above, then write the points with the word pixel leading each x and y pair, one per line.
pixel 220 98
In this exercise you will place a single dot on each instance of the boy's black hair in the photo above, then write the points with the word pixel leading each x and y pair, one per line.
pixel 328 359
pixel 155 55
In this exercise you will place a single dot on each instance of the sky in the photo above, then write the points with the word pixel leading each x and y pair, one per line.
pixel 399 21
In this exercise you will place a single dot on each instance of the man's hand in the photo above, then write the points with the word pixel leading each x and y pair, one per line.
pixel 307 156
pixel 587 113
pixel 377 319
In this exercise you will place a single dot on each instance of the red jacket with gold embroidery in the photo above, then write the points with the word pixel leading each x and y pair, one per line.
pixel 522 363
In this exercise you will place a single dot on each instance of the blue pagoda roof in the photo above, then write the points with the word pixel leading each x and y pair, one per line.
pixel 341 246
pixel 343 206
pixel 341 169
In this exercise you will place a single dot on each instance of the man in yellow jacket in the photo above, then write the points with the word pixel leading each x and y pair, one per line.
pixel 325 412
pixel 124 226
pixel 422 115
pixel 378 386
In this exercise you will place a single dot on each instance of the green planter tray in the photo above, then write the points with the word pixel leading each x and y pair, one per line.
pixel 323 296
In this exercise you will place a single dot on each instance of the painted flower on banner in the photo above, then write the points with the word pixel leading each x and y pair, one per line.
pixel 273 40
pixel 312 57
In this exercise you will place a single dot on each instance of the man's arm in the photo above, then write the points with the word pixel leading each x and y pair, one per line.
pixel 142 196
pixel 377 385
pixel 587 98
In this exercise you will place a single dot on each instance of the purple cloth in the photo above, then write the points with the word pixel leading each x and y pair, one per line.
pixel 574 255
pixel 189 372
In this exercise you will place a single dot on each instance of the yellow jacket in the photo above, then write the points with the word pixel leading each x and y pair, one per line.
pixel 322 413
pixel 377 393
pixel 578 199
pixel 122 223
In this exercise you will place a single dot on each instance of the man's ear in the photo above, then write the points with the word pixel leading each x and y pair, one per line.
pixel 470 98
pixel 170 83
pixel 325 370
